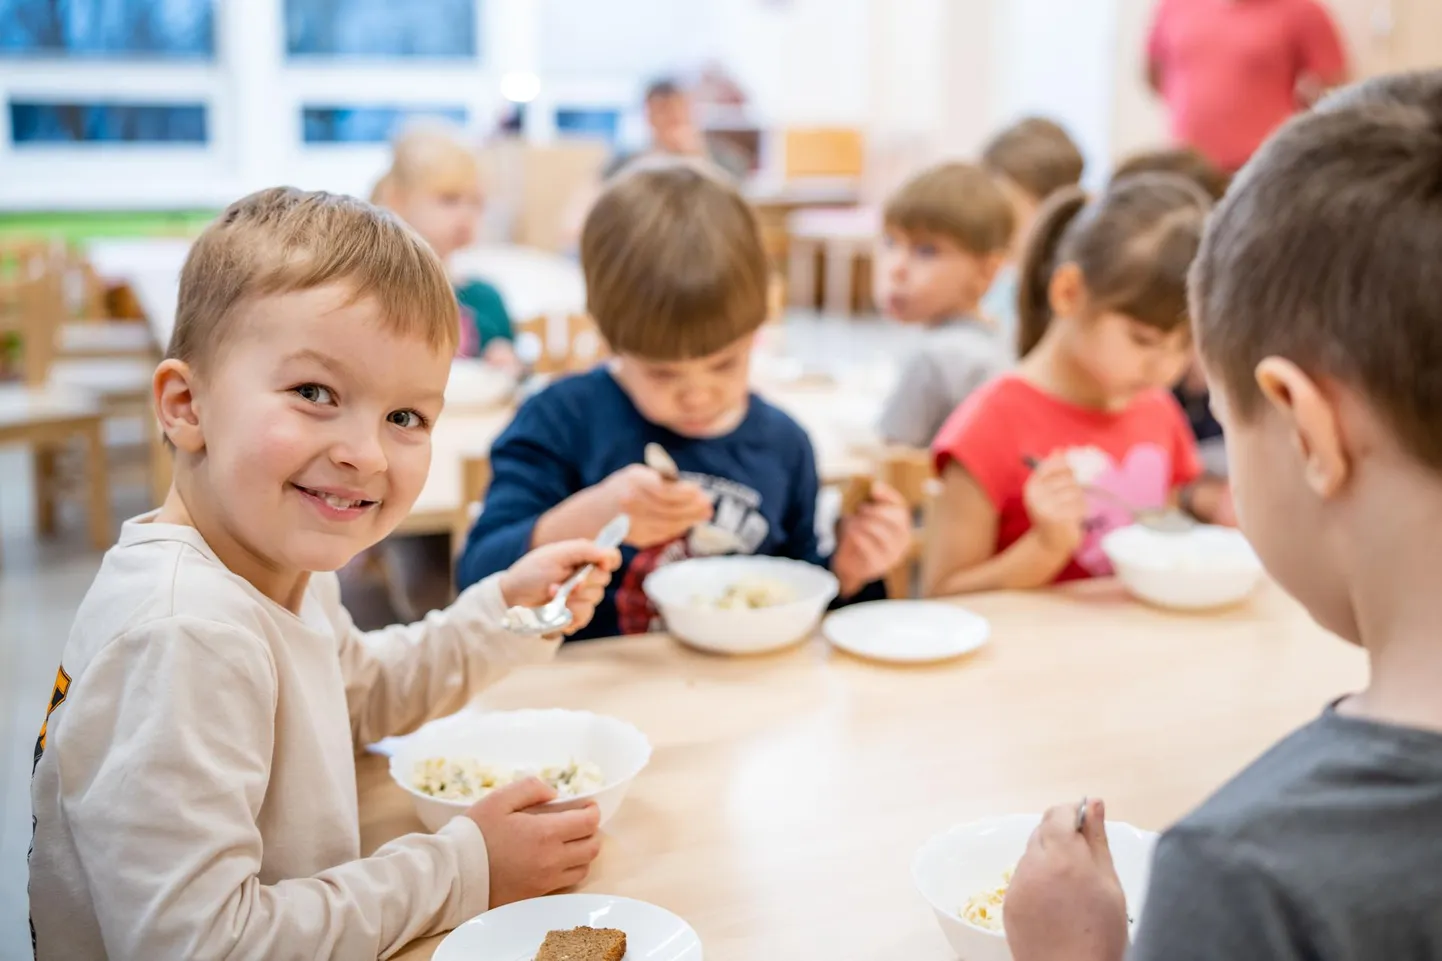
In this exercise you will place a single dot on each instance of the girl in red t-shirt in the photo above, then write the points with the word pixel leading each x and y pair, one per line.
pixel 1104 334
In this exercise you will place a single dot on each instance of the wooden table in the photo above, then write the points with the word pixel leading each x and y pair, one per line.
pixel 788 794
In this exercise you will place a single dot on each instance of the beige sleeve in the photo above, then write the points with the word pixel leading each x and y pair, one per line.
pixel 164 759
pixel 399 677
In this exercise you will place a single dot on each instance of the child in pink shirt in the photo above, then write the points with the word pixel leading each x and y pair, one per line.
pixel 1028 462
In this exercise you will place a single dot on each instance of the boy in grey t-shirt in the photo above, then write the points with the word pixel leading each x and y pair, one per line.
pixel 946 236
pixel 1318 327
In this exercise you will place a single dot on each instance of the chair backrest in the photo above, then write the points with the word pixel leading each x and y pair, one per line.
pixel 911 473
pixel 32 305
pixel 824 152
pixel 560 344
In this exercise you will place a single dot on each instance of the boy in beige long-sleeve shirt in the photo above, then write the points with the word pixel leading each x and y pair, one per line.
pixel 194 787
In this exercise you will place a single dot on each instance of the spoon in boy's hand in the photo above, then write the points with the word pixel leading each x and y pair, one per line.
pixel 554 616
pixel 708 538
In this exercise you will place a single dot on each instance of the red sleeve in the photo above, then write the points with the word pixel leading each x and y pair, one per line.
pixel 1186 459
pixel 1323 55
pixel 978 437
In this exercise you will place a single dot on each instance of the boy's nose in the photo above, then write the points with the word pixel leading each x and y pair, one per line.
pixel 360 450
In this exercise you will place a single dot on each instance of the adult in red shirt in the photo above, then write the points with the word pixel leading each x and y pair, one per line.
pixel 1232 71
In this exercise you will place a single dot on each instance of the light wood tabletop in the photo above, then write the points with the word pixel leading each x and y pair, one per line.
pixel 788 793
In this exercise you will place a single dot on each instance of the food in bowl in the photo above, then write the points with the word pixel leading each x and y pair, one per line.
pixel 583 944
pixel 983 909
pixel 749 595
pixel 467 779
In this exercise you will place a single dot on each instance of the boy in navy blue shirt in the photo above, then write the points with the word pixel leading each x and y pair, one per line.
pixel 676 279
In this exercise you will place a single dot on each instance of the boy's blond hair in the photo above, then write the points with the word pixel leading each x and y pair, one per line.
pixel 674 264
pixel 283 240
pixel 1037 155
pixel 428 153
pixel 956 200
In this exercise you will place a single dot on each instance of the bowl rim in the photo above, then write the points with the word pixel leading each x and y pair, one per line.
pixel 393 765
pixel 830 589
pixel 1252 564
pixel 927 846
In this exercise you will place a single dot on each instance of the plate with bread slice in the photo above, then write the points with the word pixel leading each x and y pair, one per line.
pixel 573 927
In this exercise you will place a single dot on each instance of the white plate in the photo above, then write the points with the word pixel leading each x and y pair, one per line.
pixel 906 632
pixel 515 932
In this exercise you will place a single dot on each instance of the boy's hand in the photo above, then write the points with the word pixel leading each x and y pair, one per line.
pixel 661 510
pixel 1065 902
pixel 1056 504
pixel 533 580
pixel 873 540
pixel 533 852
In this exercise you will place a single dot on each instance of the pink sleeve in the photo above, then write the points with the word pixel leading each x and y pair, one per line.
pixel 981 442
pixel 1186 460
pixel 1322 52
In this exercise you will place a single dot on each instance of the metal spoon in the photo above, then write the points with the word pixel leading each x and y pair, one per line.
pixel 554 616
pixel 707 538
pixel 1164 520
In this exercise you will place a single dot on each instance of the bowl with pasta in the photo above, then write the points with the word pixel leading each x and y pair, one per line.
pixel 741 604
pixel 964 871
pixel 453 762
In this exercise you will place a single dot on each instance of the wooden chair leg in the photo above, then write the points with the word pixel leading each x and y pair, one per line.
pixel 45 458
pixel 98 474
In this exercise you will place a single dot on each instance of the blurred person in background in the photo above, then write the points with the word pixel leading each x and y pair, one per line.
pixel 671 117
pixel 1232 71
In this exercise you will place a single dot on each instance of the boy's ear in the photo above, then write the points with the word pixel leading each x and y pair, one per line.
pixel 175 406
pixel 1312 421
pixel 1067 291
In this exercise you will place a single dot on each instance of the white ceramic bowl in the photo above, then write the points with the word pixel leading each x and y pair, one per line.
pixel 1203 568
pixel 525 738
pixel 971 858
pixel 675 589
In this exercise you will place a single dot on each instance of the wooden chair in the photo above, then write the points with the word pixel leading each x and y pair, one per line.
pixel 563 344
pixel 912 474
pixel 47 417
pixel 475 479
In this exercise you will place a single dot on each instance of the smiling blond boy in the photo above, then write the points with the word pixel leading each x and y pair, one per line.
pixel 194 789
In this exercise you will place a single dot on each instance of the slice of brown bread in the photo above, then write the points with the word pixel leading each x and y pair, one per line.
pixel 583 944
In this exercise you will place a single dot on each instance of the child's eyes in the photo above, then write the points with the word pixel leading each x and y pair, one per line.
pixel 314 393
pixel 407 419
pixel 926 250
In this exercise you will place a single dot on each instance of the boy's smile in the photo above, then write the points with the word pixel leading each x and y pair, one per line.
pixel 314 422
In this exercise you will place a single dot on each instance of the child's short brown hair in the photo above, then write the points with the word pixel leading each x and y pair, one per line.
pixel 1037 155
pixel 1177 160
pixel 1134 245
pixel 674 265
pixel 956 200
pixel 283 240
pixel 1326 252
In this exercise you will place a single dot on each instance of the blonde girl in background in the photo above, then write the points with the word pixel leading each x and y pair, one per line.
pixel 434 185
pixel 1032 464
